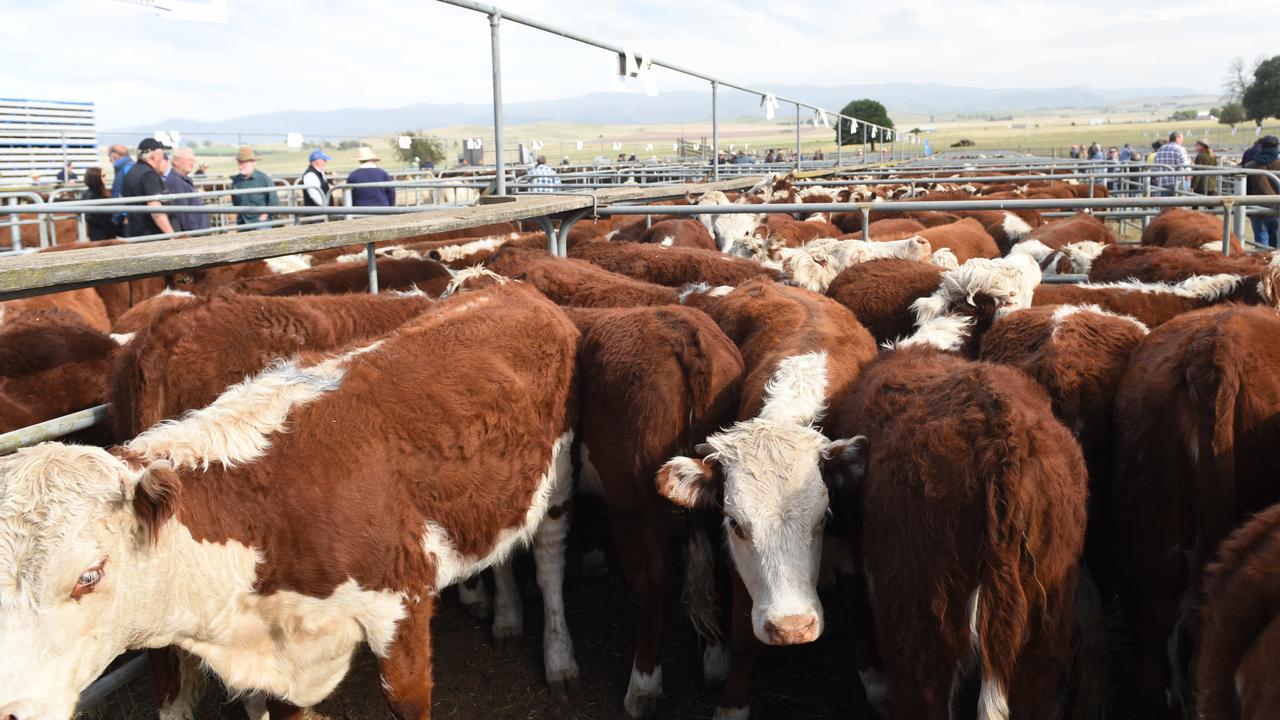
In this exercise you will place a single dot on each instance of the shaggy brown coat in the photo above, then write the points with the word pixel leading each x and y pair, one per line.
pixel 880 293
pixel 674 267
pixel 568 281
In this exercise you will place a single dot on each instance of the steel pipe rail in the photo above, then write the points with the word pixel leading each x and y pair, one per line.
pixel 902 206
pixel 52 429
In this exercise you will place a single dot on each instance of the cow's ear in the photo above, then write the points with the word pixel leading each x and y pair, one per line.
pixel 155 499
pixel 688 482
pixel 844 462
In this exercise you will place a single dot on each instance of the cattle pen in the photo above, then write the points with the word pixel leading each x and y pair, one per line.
pixel 502 196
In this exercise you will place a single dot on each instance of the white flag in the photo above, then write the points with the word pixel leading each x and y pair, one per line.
pixel 578 145
pixel 404 141
pixel 293 140
pixel 648 147
pixel 770 104
pixel 617 146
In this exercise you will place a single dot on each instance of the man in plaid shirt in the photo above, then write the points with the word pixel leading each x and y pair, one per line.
pixel 544 176
pixel 1174 155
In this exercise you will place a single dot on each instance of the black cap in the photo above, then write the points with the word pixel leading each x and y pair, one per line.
pixel 1270 141
pixel 149 144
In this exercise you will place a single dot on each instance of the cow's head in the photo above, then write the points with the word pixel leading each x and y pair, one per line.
pixel 767 474
pixel 72 587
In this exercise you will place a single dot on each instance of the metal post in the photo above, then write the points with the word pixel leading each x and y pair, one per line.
pixel 346 202
pixel 1239 220
pixel 1146 192
pixel 1227 207
pixel 494 21
pixel 373 269
pixel 866 222
pixel 715 134
pixel 797 137
pixel 14 230
pixel 839 137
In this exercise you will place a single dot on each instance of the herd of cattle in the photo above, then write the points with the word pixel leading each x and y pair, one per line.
pixel 981 468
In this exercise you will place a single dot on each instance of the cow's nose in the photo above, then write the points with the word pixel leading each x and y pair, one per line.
pixel 792 629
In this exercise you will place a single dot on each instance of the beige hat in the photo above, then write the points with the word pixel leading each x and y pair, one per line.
pixel 246 154
pixel 365 154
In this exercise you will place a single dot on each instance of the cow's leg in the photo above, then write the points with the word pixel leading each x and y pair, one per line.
pixel 406 668
pixel 474 597
pixel 548 556
pixel 1040 670
pixel 638 537
pixel 279 710
pixel 744 648
pixel 256 707
pixel 177 682
pixel 508 611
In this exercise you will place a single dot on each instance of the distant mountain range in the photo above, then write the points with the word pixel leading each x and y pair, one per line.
pixel 675 106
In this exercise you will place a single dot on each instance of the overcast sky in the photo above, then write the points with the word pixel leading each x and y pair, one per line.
pixel 290 55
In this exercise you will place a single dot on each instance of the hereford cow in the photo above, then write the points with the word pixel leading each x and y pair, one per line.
pixel 1236 663
pixel 1005 227
pixel 1176 227
pixel 190 353
pixel 568 281
pixel 375 506
pixel 674 267
pixel 1155 303
pixel 979 289
pixel 972 521
pixel 727 228
pixel 1078 354
pixel 84 303
pixel 654 382
pixel 684 233
pixel 888 229
pixel 880 294
pixel 1078 228
pixel 404 274
pixel 144 313
pixel 814 265
pixel 51 365
pixel 966 238
pixel 1197 414
pixel 1118 263
pixel 799 351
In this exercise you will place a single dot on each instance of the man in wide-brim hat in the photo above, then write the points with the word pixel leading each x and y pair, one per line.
pixel 251 177
pixel 369 172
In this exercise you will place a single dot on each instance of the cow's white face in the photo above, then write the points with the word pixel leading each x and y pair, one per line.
pixel 67 536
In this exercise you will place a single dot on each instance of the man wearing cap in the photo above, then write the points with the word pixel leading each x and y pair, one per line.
pixel 144 179
pixel 313 179
pixel 251 177
pixel 1266 224
pixel 178 182
pixel 369 172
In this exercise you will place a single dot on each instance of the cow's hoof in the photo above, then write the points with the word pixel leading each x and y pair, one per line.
pixel 595 565
pixel 715 665
pixel 643 694
pixel 507 639
pixel 724 713
pixel 562 681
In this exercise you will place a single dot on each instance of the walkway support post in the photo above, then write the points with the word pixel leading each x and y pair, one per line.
pixel 495 22
pixel 715 133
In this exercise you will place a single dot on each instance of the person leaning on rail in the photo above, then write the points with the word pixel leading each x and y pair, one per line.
pixel 98 225
pixel 369 172
pixel 1266 225
pixel 543 177
pixel 251 177
pixel 315 183
pixel 178 181
pixel 144 179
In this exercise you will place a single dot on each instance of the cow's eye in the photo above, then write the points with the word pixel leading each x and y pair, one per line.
pixel 89 579
pixel 736 528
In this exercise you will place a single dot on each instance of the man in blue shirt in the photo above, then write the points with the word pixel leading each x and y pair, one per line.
pixel 369 172
pixel 121 164
pixel 178 182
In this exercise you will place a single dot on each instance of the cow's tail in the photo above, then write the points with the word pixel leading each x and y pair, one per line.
pixel 699 595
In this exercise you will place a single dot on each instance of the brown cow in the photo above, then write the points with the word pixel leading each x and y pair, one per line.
pixel 84 303
pixel 1197 414
pixel 1078 228
pixel 1156 303
pixel 1238 660
pixel 966 238
pixel 972 522
pixel 144 313
pixel 1005 227
pixel 889 229
pixel 375 506
pixel 683 233
pixel 1118 263
pixel 880 294
pixel 51 364
pixel 428 276
pixel 799 351
pixel 1078 354
pixel 188 354
pixel 654 382
pixel 674 267
pixel 1176 227
pixel 568 281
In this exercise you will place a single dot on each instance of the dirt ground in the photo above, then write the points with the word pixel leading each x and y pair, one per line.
pixel 474 682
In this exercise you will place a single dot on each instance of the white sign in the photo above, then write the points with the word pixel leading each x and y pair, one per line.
pixel 617 146
pixel 293 140
pixel 648 147
pixel 405 142
pixel 162 137
pixel 175 138
pixel 578 145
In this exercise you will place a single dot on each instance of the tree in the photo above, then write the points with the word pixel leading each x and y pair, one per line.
pixel 1236 82
pixel 1261 99
pixel 422 148
pixel 1183 115
pixel 866 110
pixel 1231 114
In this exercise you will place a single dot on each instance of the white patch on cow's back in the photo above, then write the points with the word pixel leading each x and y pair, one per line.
pixel 945 258
pixel 796 391
pixel 288 263
pixel 1014 226
pixel 703 288
pixel 1198 287
pixel 449 253
pixel 667 241
pixel 947 333
pixel 1008 282
pixel 236 428
pixel 1062 312
pixel 474 272
pixel 170 292
pixel 451 566
pixel 122 338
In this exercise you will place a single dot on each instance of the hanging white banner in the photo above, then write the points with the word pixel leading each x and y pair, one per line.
pixel 293 140
pixel 770 104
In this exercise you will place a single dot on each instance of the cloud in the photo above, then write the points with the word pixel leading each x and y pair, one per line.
pixel 387 53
